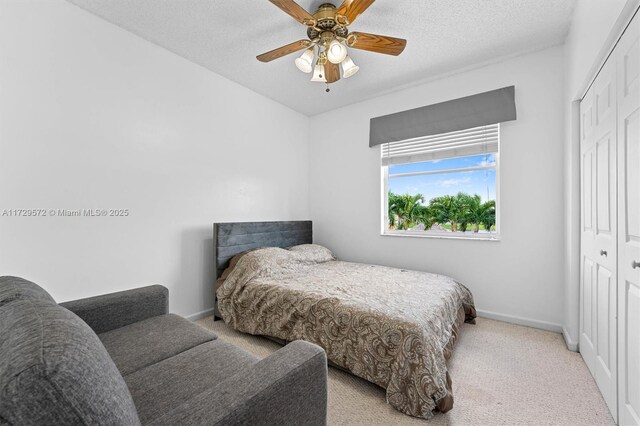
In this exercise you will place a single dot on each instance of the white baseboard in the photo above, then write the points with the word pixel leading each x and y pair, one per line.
pixel 544 325
pixel 200 315
pixel 572 345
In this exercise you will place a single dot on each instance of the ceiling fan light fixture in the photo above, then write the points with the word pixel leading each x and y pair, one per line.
pixel 305 61
pixel 336 52
pixel 318 74
pixel 349 68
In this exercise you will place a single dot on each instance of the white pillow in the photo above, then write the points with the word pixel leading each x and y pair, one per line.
pixel 313 253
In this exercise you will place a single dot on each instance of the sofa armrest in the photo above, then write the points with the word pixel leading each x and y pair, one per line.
pixel 287 388
pixel 115 310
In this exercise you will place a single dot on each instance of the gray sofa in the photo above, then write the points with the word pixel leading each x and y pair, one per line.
pixel 121 359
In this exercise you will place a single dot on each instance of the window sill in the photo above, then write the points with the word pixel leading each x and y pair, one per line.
pixel 447 236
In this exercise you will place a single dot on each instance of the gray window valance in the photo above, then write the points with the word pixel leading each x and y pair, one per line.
pixel 486 108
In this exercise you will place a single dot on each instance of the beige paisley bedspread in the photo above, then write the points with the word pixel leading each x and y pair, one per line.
pixel 389 326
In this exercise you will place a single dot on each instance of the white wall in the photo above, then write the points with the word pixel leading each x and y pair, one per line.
pixel 519 278
pixel 95 117
pixel 595 27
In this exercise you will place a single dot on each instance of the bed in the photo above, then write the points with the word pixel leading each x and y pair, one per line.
pixel 393 327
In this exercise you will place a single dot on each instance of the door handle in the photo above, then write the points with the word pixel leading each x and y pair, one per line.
pixel 603 253
pixel 635 264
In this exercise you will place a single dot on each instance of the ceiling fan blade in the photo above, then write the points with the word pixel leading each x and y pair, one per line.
pixel 294 10
pixel 284 50
pixel 331 72
pixel 351 9
pixel 376 43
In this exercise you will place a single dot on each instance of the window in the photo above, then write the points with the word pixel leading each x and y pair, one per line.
pixel 442 185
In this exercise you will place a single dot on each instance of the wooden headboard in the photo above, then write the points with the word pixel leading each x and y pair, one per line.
pixel 233 238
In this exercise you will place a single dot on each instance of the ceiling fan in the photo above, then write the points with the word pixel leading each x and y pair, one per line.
pixel 328 39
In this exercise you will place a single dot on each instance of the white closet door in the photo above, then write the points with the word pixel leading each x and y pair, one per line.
pixel 628 81
pixel 598 295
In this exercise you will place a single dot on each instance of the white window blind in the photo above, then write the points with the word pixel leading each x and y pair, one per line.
pixel 461 143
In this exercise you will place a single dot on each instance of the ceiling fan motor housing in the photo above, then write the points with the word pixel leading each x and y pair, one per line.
pixel 326 21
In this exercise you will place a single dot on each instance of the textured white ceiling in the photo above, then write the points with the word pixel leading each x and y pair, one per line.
pixel 442 36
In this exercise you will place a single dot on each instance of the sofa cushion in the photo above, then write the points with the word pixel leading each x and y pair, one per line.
pixel 147 342
pixel 53 367
pixel 161 387
pixel 14 288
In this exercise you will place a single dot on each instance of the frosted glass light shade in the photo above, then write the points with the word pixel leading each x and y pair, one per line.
pixel 304 62
pixel 349 68
pixel 336 52
pixel 318 74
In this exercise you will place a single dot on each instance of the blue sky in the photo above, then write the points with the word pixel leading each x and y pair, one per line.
pixel 435 185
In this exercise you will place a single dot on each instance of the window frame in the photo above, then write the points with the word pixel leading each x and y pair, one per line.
pixel 384 231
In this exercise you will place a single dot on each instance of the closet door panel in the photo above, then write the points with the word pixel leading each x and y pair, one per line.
pixel 604 187
pixel 628 119
pixel 589 318
pixel 598 339
pixel 630 180
pixel 630 353
pixel 588 286
pixel 606 321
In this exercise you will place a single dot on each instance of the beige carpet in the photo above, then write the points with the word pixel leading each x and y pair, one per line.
pixel 503 374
